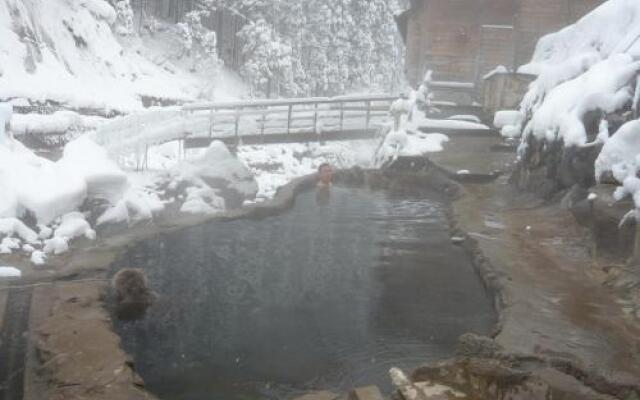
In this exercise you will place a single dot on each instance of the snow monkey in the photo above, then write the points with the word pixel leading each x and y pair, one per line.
pixel 133 296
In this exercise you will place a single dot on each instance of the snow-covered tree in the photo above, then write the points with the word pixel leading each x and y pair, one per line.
pixel 124 18
pixel 269 61
pixel 197 41
pixel 311 47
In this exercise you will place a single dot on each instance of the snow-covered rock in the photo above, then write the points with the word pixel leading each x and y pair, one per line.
pixel 605 87
pixel 74 225
pixel 507 117
pixel 104 179
pixel 621 153
pixel 588 66
pixel 8 244
pixel 13 226
pixel 408 144
pixel 587 72
pixel 38 257
pixel 202 201
pixel 10 272
pixel 219 169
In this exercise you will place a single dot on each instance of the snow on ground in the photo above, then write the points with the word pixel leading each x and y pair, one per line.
pixel 51 193
pixel 57 123
pixel 66 52
pixel 452 124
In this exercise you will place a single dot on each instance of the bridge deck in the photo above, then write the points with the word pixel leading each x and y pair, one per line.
pixel 251 122
pixel 273 138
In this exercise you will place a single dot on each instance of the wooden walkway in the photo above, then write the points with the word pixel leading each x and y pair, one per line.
pixel 290 120
pixel 299 120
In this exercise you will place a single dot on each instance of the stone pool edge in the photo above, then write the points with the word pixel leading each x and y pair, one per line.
pixel 69 299
pixel 79 286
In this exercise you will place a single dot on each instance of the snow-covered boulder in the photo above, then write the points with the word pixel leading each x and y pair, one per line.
pixel 220 170
pixel 604 87
pixel 507 117
pixel 104 179
pixel 587 78
pixel 10 272
pixel 588 66
pixel 402 143
pixel 509 122
pixel 32 183
pixel 620 155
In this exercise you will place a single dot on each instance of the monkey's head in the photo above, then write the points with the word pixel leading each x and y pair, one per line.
pixel 133 296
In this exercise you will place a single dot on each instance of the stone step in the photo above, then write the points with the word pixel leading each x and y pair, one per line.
pixel 322 395
pixel 366 393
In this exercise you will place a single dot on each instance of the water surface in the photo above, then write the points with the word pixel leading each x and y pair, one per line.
pixel 329 295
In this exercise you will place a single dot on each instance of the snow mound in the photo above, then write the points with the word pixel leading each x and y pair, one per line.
pixel 509 122
pixel 103 178
pixel 217 165
pixel 57 123
pixel 507 117
pixel 10 272
pixel 402 143
pixel 621 153
pixel 50 189
pixel 13 226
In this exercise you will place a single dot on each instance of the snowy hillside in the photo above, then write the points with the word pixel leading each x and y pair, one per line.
pixel 65 51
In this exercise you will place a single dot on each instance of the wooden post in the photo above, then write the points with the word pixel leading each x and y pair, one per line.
pixel 315 118
pixel 237 133
pixel 341 117
pixel 264 116
pixel 289 119
pixel 145 163
pixel 368 116
pixel 211 120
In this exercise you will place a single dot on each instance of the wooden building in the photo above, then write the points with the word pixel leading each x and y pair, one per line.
pixel 462 40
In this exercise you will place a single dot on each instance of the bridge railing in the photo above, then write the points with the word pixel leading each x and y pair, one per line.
pixel 288 116
pixel 257 121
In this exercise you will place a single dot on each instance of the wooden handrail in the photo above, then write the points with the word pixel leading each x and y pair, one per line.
pixel 286 102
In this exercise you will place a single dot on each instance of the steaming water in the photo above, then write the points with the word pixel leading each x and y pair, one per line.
pixel 329 295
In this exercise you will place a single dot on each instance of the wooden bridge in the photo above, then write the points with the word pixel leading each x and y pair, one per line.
pixel 249 122
pixel 289 120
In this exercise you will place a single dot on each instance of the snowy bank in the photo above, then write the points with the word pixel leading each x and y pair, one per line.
pixel 588 83
pixel 72 57
pixel 45 205
pixel 587 67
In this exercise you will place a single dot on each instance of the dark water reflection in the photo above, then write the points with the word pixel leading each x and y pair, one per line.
pixel 326 296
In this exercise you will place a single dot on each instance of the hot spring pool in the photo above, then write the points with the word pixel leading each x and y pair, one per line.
pixel 328 295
